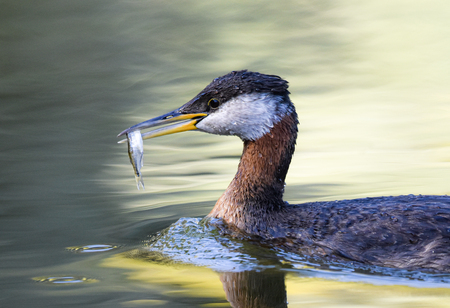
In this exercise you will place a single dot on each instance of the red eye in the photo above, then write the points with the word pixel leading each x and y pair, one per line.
pixel 214 103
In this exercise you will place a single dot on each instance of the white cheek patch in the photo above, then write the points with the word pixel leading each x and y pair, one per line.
pixel 248 116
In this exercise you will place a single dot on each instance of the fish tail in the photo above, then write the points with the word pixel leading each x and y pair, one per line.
pixel 140 182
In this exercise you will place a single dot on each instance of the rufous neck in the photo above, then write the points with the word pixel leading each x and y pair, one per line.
pixel 259 182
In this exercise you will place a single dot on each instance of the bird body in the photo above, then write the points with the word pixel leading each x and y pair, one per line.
pixel 411 232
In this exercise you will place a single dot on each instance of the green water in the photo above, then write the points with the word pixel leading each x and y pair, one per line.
pixel 370 81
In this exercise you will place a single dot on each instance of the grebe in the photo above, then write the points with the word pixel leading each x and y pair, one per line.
pixel 410 232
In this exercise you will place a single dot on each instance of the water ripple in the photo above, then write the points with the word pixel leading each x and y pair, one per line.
pixel 64 279
pixel 92 248
pixel 193 241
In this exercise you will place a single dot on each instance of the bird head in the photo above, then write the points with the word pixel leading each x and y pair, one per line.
pixel 241 103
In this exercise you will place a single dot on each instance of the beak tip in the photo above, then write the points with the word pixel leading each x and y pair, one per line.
pixel 123 133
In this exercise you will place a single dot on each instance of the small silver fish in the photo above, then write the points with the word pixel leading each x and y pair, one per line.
pixel 136 154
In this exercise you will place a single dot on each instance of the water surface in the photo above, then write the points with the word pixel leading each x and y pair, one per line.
pixel 370 83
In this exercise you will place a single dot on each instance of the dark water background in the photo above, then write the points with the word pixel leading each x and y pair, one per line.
pixel 370 82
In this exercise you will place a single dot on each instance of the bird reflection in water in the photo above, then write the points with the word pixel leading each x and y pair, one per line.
pixel 253 289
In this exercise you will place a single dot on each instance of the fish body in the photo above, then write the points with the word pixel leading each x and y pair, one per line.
pixel 136 154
